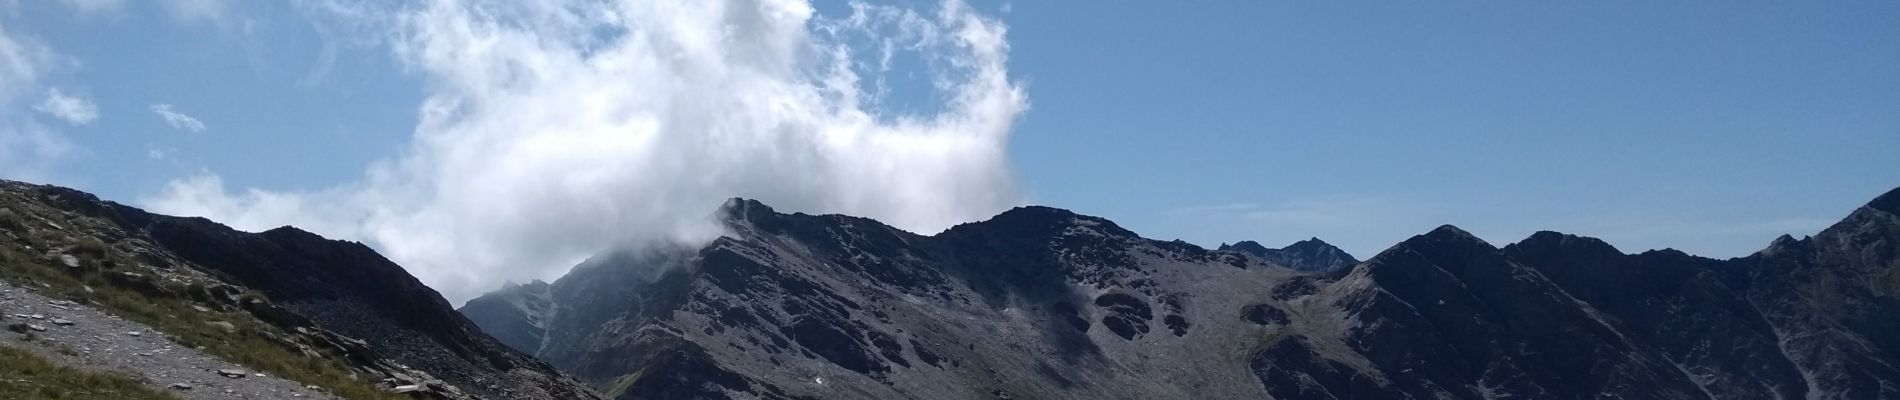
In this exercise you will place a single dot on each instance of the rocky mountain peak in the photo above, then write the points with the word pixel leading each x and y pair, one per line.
pixel 1450 232
pixel 1783 241
pixel 744 209
pixel 1558 243
pixel 1889 202
pixel 1311 255
pixel 1042 221
pixel 1245 246
pixel 1446 240
pixel 292 233
pixel 1310 244
pixel 1784 245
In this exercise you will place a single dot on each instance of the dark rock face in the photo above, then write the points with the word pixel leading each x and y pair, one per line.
pixel 1043 303
pixel 1311 255
pixel 1265 314
pixel 1126 315
pixel 342 288
pixel 1446 313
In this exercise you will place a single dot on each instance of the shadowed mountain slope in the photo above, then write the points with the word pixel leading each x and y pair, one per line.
pixel 314 296
pixel 1043 303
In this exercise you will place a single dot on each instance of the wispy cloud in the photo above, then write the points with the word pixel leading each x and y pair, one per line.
pixel 177 119
pixel 213 11
pixel 95 6
pixel 553 130
pixel 28 148
pixel 72 109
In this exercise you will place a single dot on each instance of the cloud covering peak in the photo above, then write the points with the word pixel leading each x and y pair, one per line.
pixel 554 130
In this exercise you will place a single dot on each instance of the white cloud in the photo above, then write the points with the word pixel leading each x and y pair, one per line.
pixel 177 119
pixel 554 130
pixel 204 194
pixel 72 109
pixel 160 153
pixel 28 149
pixel 95 6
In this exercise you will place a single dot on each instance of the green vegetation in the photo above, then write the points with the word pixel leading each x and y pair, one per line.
pixel 26 376
pixel 624 383
pixel 253 343
pixel 91 248
pixel 10 220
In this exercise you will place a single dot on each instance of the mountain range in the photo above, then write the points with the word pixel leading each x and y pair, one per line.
pixel 1044 303
pixel 1034 303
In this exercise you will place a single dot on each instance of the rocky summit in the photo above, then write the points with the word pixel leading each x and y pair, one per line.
pixel 1042 303
pixel 1311 255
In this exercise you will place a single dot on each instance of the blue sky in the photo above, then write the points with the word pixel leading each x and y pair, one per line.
pixel 1651 124
pixel 1706 127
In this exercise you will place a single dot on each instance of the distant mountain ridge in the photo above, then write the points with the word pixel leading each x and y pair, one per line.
pixel 1311 255
pixel 516 315
pixel 1040 302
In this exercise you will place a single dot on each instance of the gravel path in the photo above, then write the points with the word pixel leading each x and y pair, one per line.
pixel 77 335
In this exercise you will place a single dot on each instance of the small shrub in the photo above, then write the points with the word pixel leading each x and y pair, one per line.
pixel 11 221
pixel 91 248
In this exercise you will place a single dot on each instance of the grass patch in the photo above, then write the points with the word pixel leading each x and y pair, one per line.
pixel 91 248
pixel 11 220
pixel 27 376
pixel 251 344
pixel 625 382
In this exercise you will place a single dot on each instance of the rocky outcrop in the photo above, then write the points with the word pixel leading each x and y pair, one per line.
pixel 1043 303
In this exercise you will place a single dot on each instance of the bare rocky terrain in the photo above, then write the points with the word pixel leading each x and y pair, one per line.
pixel 1036 302
pixel 79 335
pixel 284 300
pixel 1043 303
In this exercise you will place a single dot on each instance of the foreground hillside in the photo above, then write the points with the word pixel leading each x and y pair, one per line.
pixel 282 303
pixel 1043 303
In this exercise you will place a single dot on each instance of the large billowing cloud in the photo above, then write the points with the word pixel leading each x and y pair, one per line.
pixel 553 130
